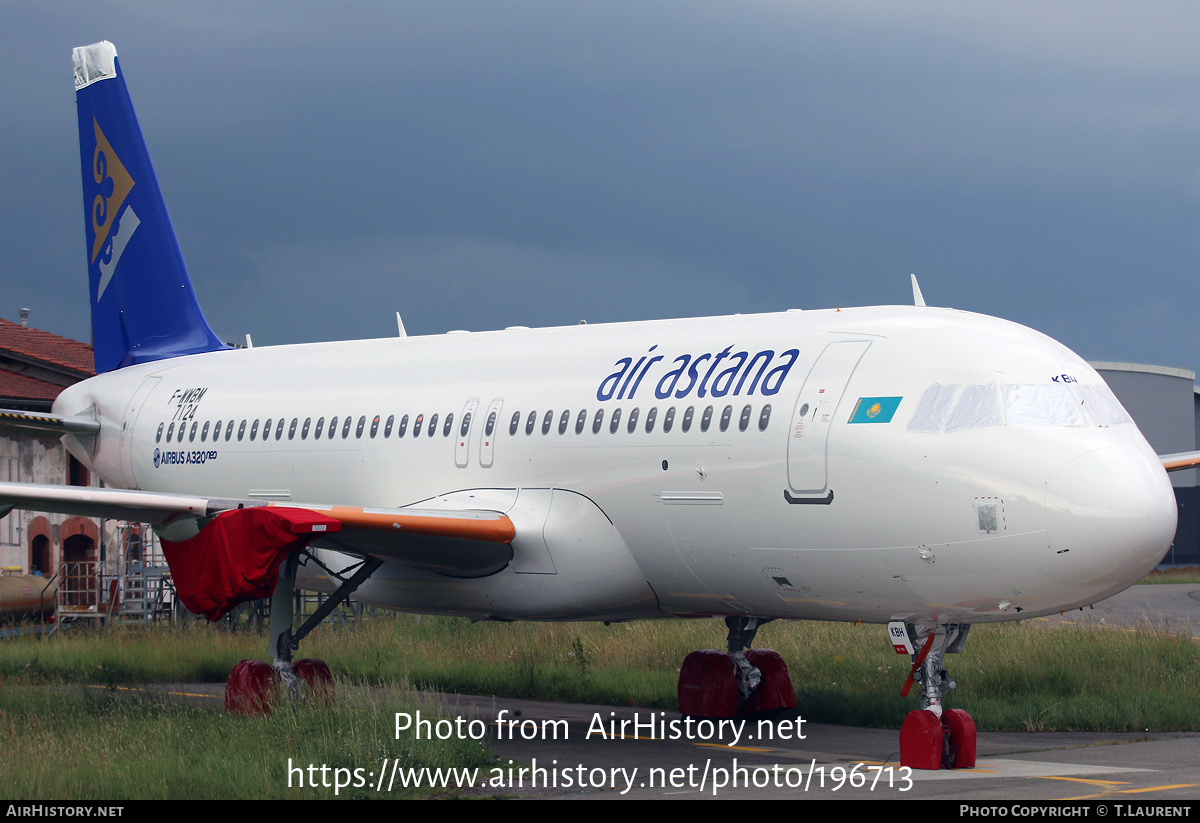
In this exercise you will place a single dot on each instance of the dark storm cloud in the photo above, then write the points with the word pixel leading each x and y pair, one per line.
pixel 482 164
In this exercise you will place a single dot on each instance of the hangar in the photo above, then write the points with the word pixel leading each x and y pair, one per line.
pixel 1165 404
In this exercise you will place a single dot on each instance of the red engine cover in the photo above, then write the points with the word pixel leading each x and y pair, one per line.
pixel 236 557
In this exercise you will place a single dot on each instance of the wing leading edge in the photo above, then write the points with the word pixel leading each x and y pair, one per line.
pixel 460 542
pixel 1180 460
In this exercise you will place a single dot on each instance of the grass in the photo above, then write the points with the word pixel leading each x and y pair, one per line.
pixel 80 743
pixel 1178 574
pixel 1011 676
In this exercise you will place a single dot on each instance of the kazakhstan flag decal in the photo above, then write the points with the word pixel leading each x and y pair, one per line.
pixel 875 409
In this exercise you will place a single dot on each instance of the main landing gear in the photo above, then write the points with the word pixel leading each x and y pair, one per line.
pixel 933 737
pixel 742 681
pixel 254 686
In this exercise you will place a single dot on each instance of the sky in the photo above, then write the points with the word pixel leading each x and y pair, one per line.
pixel 481 164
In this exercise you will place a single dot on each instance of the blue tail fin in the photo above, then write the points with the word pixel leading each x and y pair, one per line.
pixel 143 305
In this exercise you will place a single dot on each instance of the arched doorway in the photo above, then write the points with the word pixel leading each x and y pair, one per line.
pixel 81 579
pixel 41 553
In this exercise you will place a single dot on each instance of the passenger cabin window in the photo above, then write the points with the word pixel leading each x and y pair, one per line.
pixel 744 420
pixel 764 418
pixel 229 432
pixel 158 437
pixel 581 421
pixel 241 430
pixel 651 414
pixel 686 425
pixel 333 421
pixel 615 422
pixel 530 422
pixel 217 431
pixel 362 424
pixel 204 432
pixel 669 419
pixel 346 424
pixel 292 428
pixel 192 436
pixel 266 430
pixel 432 425
pixel 598 421
pixel 403 426
pixel 547 421
pixel 491 424
pixel 514 423
pixel 633 418
pixel 374 426
pixel 387 427
pixel 449 425
pixel 420 421
pixel 726 416
pixel 563 421
pixel 466 424
pixel 279 429
pixel 706 419
pixel 304 430
pixel 170 431
pixel 320 429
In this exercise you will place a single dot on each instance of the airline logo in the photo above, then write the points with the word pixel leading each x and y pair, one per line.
pixel 875 409
pixel 709 373
pixel 114 183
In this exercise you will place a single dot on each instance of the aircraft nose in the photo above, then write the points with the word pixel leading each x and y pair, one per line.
pixel 1115 507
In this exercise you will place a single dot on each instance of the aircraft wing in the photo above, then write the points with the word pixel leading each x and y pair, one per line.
pixel 461 542
pixel 1180 460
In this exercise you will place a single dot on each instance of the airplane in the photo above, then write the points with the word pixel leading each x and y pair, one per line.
pixel 919 467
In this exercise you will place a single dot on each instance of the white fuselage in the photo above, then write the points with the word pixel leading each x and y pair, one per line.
pixel 1041 498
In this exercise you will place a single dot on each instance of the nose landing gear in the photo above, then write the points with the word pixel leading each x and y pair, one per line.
pixel 933 737
pixel 741 681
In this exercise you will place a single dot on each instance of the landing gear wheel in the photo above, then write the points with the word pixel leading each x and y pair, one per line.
pixel 960 737
pixel 742 682
pixel 708 685
pixel 775 692
pixel 927 742
pixel 319 679
pixel 921 740
pixel 252 688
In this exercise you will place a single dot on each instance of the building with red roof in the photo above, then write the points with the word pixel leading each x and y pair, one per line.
pixel 36 365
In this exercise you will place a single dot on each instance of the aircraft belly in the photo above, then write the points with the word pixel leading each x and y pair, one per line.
pixel 876 585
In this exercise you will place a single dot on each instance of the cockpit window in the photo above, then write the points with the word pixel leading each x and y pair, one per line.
pixel 1045 405
pixel 978 407
pixel 933 408
pixel 1102 406
pixel 951 408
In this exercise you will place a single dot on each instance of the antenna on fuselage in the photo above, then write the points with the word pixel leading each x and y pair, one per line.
pixel 249 342
pixel 400 325
pixel 918 298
